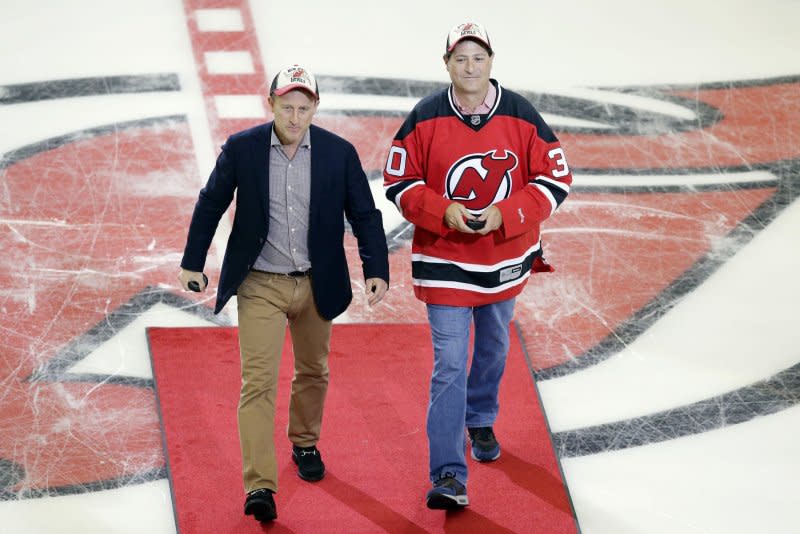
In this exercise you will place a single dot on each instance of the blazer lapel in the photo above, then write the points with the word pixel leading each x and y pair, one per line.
pixel 316 178
pixel 261 164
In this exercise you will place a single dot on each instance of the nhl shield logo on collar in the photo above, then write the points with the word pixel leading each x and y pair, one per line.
pixel 475 120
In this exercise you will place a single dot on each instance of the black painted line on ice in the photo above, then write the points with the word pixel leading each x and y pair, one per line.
pixel 79 348
pixel 142 477
pixel 619 119
pixel 777 166
pixel 706 86
pixel 676 188
pixel 52 143
pixel 371 85
pixel 94 378
pixel 349 113
pixel 769 396
pixel 94 86
pixel 11 474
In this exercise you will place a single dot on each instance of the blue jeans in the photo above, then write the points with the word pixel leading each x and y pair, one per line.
pixel 456 398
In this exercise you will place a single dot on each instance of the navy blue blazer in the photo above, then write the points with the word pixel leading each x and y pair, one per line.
pixel 339 189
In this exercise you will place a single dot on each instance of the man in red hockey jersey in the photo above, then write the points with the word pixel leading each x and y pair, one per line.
pixel 476 169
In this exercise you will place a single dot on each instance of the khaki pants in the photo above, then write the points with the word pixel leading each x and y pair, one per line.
pixel 266 301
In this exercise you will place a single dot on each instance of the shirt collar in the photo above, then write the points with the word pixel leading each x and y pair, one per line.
pixel 306 141
pixel 483 107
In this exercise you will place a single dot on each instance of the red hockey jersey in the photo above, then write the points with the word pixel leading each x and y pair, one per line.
pixel 509 158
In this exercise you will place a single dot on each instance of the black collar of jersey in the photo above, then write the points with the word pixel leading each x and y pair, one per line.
pixel 478 120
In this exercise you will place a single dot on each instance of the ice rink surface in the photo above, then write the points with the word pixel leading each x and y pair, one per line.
pixel 666 345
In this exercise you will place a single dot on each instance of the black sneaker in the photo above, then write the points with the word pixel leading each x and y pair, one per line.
pixel 447 494
pixel 309 463
pixel 484 445
pixel 261 505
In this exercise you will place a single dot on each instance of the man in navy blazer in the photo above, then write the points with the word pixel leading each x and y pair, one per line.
pixel 294 184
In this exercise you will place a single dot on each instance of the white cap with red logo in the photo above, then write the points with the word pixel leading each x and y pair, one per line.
pixel 467 30
pixel 294 77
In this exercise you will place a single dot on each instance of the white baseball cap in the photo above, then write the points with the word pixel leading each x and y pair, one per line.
pixel 467 30
pixel 294 77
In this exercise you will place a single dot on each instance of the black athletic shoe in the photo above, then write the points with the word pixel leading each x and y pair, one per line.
pixel 309 463
pixel 447 494
pixel 484 445
pixel 261 505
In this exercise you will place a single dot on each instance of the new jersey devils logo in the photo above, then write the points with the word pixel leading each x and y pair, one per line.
pixel 98 434
pixel 480 180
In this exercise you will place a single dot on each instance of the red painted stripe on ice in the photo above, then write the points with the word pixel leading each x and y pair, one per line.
pixel 253 84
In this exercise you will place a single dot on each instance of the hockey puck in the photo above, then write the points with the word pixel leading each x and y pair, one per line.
pixel 194 286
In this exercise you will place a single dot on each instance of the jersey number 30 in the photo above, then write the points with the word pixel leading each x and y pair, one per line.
pixel 558 157
pixel 396 164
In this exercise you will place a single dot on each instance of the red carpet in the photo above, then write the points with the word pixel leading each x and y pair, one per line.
pixel 373 441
